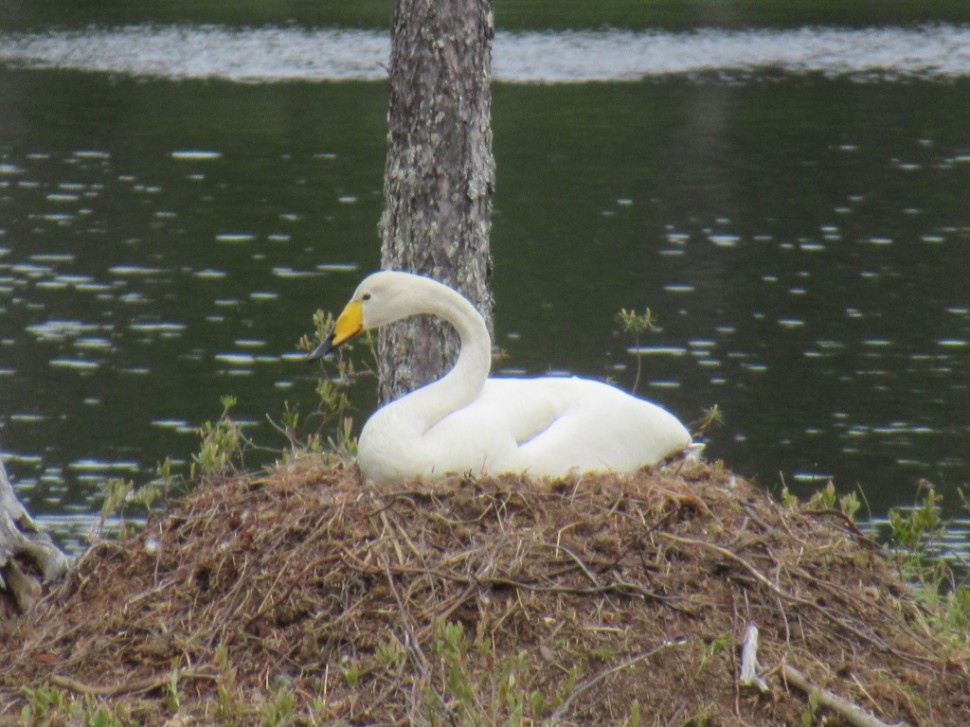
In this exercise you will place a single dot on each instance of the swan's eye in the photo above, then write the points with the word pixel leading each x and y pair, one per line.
pixel 365 296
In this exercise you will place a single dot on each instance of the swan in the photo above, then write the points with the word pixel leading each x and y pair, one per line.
pixel 468 422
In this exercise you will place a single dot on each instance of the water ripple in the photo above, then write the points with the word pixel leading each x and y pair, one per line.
pixel 262 55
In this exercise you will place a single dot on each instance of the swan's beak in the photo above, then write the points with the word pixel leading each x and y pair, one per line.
pixel 349 325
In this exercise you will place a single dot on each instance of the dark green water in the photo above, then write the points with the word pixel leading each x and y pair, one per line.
pixel 803 239
pixel 510 14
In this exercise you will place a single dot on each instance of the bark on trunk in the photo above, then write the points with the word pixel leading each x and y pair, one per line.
pixel 28 556
pixel 439 176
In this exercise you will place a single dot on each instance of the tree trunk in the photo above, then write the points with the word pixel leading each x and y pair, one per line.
pixel 439 176
pixel 27 555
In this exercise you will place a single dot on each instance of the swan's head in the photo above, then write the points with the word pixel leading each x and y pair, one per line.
pixel 380 299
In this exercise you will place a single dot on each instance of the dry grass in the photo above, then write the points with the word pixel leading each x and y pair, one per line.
pixel 600 600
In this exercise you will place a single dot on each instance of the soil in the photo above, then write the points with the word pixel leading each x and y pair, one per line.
pixel 613 599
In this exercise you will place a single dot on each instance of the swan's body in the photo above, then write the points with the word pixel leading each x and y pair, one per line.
pixel 467 422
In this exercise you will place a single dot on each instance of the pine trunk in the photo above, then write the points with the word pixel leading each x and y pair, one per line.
pixel 439 176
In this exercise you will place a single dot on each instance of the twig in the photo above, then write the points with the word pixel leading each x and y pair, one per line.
pixel 393 538
pixel 849 523
pixel 759 576
pixel 623 587
pixel 576 559
pixel 411 640
pixel 147 684
pixel 593 681
pixel 851 713
pixel 294 582
pixel 446 611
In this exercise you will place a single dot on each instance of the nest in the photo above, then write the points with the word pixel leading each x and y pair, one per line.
pixel 596 600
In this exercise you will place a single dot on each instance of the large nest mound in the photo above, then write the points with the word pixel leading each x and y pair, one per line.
pixel 598 600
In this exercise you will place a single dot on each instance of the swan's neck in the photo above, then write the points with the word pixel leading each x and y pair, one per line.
pixel 463 384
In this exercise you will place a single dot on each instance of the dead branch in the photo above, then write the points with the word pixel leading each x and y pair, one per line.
pixel 28 556
pixel 854 715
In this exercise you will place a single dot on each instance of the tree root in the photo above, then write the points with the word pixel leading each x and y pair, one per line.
pixel 28 557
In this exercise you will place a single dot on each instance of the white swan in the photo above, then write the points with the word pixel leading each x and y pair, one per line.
pixel 467 422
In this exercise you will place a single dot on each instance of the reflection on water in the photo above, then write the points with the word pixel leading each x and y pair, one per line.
pixel 122 277
pixel 802 243
pixel 287 54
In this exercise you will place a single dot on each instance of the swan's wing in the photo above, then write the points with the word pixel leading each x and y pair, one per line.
pixel 561 424
pixel 542 427
pixel 489 431
pixel 481 437
pixel 525 408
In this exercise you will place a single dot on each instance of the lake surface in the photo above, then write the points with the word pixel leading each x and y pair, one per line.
pixel 175 202
pixel 263 55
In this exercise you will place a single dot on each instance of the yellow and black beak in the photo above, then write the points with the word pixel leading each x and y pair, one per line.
pixel 349 325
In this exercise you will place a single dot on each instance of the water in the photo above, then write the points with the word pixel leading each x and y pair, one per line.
pixel 792 206
pixel 262 55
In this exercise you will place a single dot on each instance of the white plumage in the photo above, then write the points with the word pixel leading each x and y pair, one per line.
pixel 468 422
